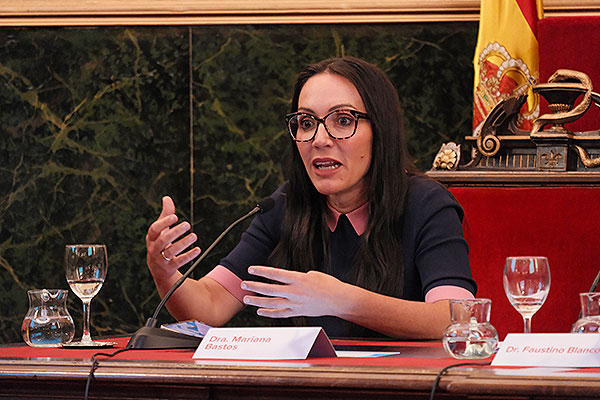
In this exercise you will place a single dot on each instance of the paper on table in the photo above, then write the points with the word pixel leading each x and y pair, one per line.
pixel 341 353
pixel 191 328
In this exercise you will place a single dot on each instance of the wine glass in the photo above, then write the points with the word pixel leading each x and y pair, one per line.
pixel 526 283
pixel 85 269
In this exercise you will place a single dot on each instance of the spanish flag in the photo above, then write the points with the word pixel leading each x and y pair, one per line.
pixel 506 57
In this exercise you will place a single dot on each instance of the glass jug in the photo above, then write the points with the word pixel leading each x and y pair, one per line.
pixel 470 335
pixel 589 322
pixel 47 322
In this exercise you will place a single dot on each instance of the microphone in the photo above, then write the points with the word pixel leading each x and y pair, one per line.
pixel 152 337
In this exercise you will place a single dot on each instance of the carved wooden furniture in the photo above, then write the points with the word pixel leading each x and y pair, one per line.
pixel 550 145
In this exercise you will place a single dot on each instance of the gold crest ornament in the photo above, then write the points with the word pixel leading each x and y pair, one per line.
pixel 448 157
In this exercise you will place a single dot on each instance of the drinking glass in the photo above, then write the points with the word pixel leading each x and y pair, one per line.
pixel 526 283
pixel 85 269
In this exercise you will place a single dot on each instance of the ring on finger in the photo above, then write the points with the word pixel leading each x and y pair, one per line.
pixel 162 253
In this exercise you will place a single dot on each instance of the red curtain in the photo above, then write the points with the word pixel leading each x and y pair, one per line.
pixel 561 223
pixel 571 43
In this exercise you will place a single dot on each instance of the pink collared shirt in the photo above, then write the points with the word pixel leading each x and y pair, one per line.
pixel 358 218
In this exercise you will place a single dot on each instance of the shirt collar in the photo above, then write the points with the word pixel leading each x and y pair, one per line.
pixel 358 218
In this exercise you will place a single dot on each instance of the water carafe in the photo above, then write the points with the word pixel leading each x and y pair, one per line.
pixel 589 322
pixel 470 335
pixel 47 322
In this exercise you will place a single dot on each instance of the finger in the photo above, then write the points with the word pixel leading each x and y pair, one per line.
pixel 276 313
pixel 267 289
pixel 274 274
pixel 159 226
pixel 168 207
pixel 186 257
pixel 177 247
pixel 169 236
pixel 266 302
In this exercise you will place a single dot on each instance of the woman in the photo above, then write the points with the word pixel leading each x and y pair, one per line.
pixel 358 242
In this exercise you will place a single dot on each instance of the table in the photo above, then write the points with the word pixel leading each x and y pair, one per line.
pixel 168 374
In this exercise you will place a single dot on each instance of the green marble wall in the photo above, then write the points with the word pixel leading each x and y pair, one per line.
pixel 97 124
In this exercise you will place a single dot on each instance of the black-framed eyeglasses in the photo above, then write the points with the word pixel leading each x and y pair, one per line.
pixel 339 124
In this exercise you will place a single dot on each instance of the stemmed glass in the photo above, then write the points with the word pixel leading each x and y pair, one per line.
pixel 526 283
pixel 85 269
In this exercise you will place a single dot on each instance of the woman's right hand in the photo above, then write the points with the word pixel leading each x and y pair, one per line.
pixel 165 245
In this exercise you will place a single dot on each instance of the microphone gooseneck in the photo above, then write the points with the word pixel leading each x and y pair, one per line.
pixel 150 336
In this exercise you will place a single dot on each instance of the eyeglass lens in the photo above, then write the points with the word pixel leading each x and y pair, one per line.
pixel 339 124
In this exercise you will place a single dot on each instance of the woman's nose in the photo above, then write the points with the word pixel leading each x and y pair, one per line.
pixel 322 138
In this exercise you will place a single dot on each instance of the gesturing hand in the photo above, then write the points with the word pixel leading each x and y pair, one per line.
pixel 165 238
pixel 309 294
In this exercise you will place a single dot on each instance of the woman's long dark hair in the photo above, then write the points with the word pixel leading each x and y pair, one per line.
pixel 378 264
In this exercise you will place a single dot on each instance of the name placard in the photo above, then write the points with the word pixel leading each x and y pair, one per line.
pixel 284 343
pixel 549 350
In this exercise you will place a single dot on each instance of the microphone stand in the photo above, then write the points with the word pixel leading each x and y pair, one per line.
pixel 150 336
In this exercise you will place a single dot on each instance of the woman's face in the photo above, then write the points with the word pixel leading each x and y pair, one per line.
pixel 337 168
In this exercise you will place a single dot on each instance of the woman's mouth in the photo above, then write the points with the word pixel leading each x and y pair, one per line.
pixel 324 165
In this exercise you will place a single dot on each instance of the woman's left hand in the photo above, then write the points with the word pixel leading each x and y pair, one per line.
pixel 310 294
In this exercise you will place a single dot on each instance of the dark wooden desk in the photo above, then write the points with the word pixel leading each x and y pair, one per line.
pixel 173 374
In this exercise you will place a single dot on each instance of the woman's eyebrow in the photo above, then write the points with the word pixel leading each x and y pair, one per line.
pixel 306 110
pixel 336 107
